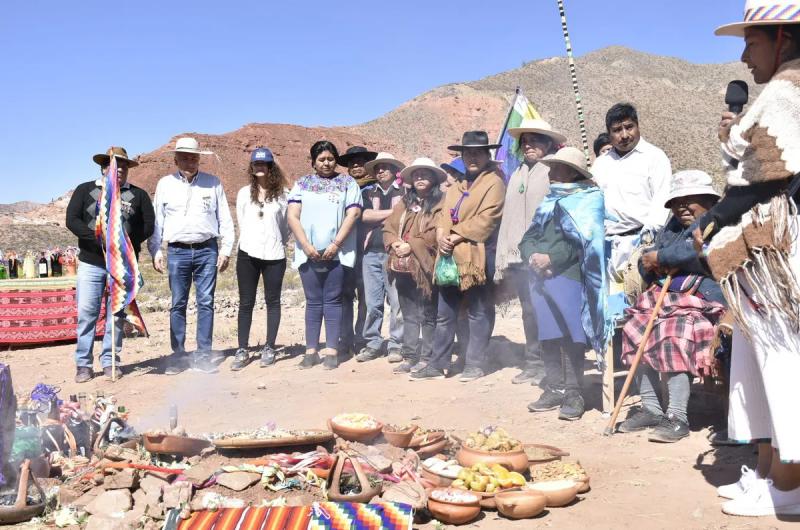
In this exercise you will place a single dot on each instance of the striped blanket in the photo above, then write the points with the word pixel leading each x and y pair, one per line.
pixel 319 516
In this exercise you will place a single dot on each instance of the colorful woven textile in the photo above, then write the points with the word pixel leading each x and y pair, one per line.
pixel 320 516
pixel 40 311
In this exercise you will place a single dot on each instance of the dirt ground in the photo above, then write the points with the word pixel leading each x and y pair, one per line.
pixel 635 483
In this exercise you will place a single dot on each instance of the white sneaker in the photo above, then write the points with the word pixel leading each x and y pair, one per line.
pixel 763 499
pixel 732 491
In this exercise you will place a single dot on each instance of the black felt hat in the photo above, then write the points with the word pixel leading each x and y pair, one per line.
pixel 474 139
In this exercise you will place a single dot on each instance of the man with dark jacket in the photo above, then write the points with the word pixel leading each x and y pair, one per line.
pixel 138 220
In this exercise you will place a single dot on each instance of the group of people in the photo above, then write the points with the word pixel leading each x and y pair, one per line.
pixel 443 243
pixel 43 264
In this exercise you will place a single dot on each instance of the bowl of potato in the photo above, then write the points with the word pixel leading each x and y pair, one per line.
pixel 493 445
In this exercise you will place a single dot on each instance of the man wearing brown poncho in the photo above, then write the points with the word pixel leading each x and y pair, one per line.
pixel 467 230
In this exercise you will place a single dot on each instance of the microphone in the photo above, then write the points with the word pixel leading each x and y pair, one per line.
pixel 736 96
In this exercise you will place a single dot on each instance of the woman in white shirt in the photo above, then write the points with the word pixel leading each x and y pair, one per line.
pixel 261 214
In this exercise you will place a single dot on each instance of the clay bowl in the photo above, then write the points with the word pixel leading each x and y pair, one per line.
pixel 451 512
pixel 489 500
pixel 418 440
pixel 558 492
pixel 355 435
pixel 174 445
pixel 400 439
pixel 436 479
pixel 521 504
pixel 432 448
pixel 555 453
pixel 512 460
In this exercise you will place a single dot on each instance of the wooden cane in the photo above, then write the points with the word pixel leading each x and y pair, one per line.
pixel 113 347
pixel 639 352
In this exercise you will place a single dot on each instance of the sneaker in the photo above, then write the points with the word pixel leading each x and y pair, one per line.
pixel 404 367
pixel 471 373
pixel 732 491
pixel 456 367
pixel 368 354
pixel 240 359
pixel 429 372
pixel 669 430
pixel 525 376
pixel 419 366
pixel 573 407
pixel 345 353
pixel 175 364
pixel 330 362
pixel 641 420
pixel 310 360
pixel 395 355
pixel 83 374
pixel 762 499
pixel 267 356
pixel 107 373
pixel 201 362
pixel 549 400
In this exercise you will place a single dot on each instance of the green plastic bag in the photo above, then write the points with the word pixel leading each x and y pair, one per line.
pixel 446 273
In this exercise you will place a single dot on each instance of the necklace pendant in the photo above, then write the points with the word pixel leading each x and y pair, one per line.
pixel 521 188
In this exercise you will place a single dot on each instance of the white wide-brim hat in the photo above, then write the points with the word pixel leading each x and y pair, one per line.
pixel 763 13
pixel 570 156
pixel 538 127
pixel 423 163
pixel 189 145
pixel 383 158
pixel 690 182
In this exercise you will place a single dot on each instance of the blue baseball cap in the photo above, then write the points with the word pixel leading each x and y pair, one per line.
pixel 261 154
pixel 456 165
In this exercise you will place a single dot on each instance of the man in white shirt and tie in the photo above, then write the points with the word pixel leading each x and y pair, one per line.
pixel 635 178
pixel 191 214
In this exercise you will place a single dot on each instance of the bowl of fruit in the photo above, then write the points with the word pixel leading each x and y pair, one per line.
pixel 493 445
pixel 485 480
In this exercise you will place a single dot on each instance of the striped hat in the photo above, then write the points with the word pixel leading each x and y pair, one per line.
pixel 762 13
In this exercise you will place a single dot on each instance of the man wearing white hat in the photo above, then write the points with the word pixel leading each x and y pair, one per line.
pixel 635 177
pixel 191 214
pixel 379 200
pixel 527 186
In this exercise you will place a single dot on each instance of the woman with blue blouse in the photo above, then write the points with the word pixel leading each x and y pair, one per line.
pixel 322 214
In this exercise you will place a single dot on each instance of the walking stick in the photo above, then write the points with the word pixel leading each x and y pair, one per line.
pixel 635 364
pixel 113 348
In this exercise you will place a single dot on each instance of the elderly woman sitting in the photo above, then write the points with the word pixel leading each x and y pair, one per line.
pixel 680 343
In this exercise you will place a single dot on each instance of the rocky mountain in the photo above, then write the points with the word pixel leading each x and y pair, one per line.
pixel 679 105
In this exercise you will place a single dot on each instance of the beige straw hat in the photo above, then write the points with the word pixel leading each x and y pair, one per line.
pixel 762 13
pixel 538 127
pixel 570 156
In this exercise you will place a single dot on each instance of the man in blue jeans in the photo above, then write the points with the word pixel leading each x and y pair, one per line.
pixel 379 200
pixel 191 212
pixel 137 219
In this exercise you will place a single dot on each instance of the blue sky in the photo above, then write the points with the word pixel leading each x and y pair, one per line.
pixel 81 75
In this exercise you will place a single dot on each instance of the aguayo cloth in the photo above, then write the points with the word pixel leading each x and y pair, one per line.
pixel 682 332
pixel 40 311
pixel 578 210
pixel 319 516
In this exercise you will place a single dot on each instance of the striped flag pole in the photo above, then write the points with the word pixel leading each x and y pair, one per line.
pixel 574 75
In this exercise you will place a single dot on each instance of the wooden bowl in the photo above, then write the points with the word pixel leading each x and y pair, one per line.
pixel 520 504
pixel 555 453
pixel 558 492
pixel 451 512
pixel 355 435
pixel 513 460
pixel 400 439
pixel 174 445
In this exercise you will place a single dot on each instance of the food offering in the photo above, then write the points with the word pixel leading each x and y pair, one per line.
pixel 493 445
pixel 539 453
pixel 453 506
pixel 440 471
pixel 355 427
pixel 558 492
pixel 399 435
pixel 492 439
pixel 561 470
pixel 268 436
pixel 487 478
